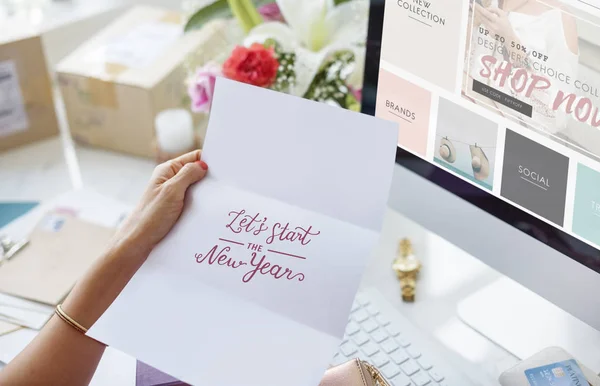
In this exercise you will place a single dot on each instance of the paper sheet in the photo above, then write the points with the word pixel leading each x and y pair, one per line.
pixel 6 328
pixel 328 160
pixel 24 312
pixel 254 284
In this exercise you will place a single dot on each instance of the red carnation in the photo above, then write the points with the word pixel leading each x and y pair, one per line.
pixel 254 65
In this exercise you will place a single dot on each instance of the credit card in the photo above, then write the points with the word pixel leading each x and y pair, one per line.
pixel 564 373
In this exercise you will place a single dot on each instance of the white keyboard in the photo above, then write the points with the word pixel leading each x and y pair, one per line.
pixel 380 335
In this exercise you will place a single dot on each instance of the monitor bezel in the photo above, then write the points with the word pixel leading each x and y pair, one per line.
pixel 540 230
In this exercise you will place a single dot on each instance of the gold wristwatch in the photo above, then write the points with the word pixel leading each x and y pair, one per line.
pixel 407 267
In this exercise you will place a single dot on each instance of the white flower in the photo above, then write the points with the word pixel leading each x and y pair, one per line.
pixel 315 29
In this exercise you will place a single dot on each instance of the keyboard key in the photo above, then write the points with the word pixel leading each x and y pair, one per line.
pixel 436 377
pixel 380 359
pixel 360 338
pixel 424 363
pixel 392 330
pixel 401 380
pixel 399 356
pixel 409 368
pixel 421 379
pixel 384 338
pixel 338 360
pixel 360 315
pixel 382 320
pixel 363 300
pixel 379 336
pixel 403 341
pixel 390 370
pixel 370 326
pixel 348 349
pixel 413 352
pixel 352 328
pixel 370 349
pixel 371 309
pixel 389 346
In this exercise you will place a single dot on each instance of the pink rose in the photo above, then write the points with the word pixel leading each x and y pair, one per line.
pixel 202 87
pixel 271 12
pixel 356 92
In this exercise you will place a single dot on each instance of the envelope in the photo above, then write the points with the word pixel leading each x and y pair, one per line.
pixel 90 207
pixel 61 248
pixel 254 284
pixel 6 328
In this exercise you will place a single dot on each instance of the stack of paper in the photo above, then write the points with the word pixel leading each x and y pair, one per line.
pixel 6 327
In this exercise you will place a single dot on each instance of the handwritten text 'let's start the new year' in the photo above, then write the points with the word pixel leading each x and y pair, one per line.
pixel 270 240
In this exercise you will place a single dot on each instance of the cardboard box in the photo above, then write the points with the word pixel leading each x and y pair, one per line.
pixel 114 84
pixel 26 104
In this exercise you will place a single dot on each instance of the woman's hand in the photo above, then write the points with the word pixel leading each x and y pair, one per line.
pixel 60 355
pixel 161 203
pixel 496 21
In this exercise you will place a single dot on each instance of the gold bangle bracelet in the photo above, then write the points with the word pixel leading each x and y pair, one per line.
pixel 67 319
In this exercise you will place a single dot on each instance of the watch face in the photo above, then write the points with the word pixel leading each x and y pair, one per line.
pixel 406 265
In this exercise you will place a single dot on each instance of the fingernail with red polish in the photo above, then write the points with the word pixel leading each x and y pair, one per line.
pixel 203 165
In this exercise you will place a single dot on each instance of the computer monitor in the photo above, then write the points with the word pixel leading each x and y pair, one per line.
pixel 497 104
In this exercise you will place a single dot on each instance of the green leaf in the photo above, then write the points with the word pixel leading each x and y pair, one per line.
pixel 338 2
pixel 330 82
pixel 218 9
pixel 246 14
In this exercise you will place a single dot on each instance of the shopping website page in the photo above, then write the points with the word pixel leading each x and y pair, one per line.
pixel 504 94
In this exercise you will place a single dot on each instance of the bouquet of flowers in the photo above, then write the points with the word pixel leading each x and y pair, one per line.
pixel 310 48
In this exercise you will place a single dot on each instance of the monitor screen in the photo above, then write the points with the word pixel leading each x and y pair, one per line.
pixel 497 101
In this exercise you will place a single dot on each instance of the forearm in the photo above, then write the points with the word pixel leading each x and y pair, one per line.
pixel 95 292
pixel 60 355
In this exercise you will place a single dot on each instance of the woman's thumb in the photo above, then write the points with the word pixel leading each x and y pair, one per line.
pixel 189 174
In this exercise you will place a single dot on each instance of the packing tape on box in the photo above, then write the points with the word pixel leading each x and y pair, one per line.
pixel 113 70
pixel 102 93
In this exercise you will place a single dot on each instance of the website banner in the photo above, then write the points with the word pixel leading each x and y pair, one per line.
pixel 538 65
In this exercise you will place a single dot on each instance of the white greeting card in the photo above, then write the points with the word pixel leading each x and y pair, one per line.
pixel 254 284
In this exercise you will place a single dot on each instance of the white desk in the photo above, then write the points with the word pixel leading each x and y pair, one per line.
pixel 48 168
pixel 41 171
pixel 448 275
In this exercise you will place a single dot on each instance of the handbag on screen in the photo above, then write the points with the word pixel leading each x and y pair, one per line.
pixel 353 373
